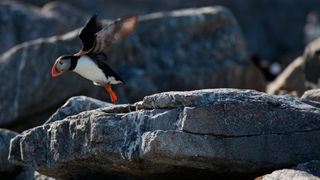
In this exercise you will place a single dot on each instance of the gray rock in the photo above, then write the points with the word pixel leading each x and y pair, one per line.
pixel 178 50
pixel 21 22
pixel 213 130
pixel 312 56
pixel 312 167
pixel 313 95
pixel 302 74
pixel 189 49
pixel 76 105
pixel 7 169
pixel 5 137
pixel 309 170
pixel 289 174
pixel 38 176
pixel 291 81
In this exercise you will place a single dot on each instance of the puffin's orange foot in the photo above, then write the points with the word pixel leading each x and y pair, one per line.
pixel 113 95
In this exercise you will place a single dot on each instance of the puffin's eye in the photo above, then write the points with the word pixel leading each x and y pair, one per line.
pixel 60 62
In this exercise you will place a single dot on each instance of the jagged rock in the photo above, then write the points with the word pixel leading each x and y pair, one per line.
pixel 38 176
pixel 7 169
pixel 178 50
pixel 313 95
pixel 76 105
pixel 213 130
pixel 312 65
pixel 302 74
pixel 288 174
pixel 291 80
pixel 5 137
pixel 312 167
pixel 21 22
pixel 309 170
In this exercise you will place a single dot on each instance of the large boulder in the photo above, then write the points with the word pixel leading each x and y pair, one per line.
pixel 21 22
pixel 178 50
pixel 212 131
pixel 185 50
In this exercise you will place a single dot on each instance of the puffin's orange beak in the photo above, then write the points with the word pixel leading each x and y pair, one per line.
pixel 54 71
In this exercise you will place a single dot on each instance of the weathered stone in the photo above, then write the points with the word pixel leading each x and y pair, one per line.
pixel 5 137
pixel 313 95
pixel 190 49
pixel 21 22
pixel 301 75
pixel 76 105
pixel 148 63
pixel 164 136
pixel 291 80
pixel 312 167
pixel 309 170
pixel 288 174
pixel 312 65
pixel 7 169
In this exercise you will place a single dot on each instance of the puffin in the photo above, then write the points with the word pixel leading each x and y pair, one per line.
pixel 91 61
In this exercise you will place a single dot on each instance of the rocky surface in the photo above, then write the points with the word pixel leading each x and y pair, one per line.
pixel 76 105
pixel 291 81
pixel 9 170
pixel 5 137
pixel 302 74
pixel 309 170
pixel 208 51
pixel 21 22
pixel 313 95
pixel 312 59
pixel 178 50
pixel 213 130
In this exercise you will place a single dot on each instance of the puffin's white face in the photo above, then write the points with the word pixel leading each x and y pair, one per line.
pixel 62 64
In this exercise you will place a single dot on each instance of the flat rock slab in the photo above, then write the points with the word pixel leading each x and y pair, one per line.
pixel 212 130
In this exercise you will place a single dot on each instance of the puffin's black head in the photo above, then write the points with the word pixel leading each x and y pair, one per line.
pixel 62 64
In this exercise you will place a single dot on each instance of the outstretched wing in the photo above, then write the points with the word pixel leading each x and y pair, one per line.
pixel 117 30
pixel 88 33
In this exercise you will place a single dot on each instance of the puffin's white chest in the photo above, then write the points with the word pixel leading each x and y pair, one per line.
pixel 90 70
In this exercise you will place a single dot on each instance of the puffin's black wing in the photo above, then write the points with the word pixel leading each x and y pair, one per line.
pixel 115 31
pixel 88 33
pixel 100 60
